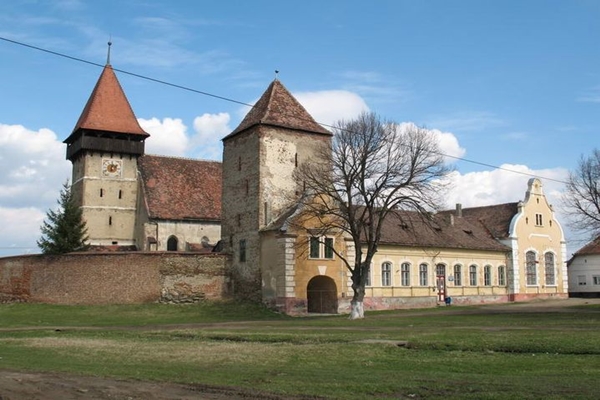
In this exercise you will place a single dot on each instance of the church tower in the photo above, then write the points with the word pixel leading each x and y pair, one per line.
pixel 104 148
pixel 259 158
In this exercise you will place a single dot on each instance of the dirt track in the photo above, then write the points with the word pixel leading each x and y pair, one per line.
pixel 42 386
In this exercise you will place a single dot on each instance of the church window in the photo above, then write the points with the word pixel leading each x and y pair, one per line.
pixel 120 194
pixel 473 275
pixel 487 275
pixel 549 269
pixel 172 243
pixel 405 274
pixel 243 250
pixel 101 192
pixel 321 247
pixel 458 275
pixel 531 268
pixel 538 220
pixel 502 275
pixel 386 274
pixel 296 160
pixel 423 274
pixel 110 220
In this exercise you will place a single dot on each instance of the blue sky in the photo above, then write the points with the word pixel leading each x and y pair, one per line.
pixel 512 84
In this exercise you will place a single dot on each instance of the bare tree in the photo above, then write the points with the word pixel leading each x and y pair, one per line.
pixel 373 168
pixel 582 195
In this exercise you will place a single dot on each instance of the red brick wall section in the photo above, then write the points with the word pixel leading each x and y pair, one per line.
pixel 112 278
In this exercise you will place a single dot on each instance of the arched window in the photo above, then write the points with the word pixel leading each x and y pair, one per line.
pixel 386 274
pixel 172 243
pixel 487 275
pixel 473 275
pixel 458 275
pixel 549 269
pixel 502 275
pixel 405 274
pixel 440 270
pixel 423 274
pixel 530 268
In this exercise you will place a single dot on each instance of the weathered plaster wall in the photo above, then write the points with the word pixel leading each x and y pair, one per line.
pixel 112 278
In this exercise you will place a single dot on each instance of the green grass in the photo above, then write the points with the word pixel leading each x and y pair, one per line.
pixel 458 352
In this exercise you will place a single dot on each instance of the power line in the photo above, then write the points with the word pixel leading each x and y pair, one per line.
pixel 186 88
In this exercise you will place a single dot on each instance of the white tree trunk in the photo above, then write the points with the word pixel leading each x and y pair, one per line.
pixel 357 310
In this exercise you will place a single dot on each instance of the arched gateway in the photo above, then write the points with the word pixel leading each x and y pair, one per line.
pixel 321 294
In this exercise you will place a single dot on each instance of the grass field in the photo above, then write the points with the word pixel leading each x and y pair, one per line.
pixel 456 352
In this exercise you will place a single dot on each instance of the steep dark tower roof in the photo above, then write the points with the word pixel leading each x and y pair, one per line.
pixel 277 107
pixel 107 114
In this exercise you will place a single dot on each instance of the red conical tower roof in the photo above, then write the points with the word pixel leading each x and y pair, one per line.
pixel 277 107
pixel 108 109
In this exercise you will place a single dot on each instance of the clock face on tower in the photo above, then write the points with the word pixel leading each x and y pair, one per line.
pixel 112 168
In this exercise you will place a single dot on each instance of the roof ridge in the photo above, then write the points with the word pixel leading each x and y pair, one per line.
pixel 182 158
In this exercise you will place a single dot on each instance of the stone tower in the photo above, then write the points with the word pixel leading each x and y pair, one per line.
pixel 259 158
pixel 104 148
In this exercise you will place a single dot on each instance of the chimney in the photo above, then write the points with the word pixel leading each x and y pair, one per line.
pixel 458 210
pixel 451 219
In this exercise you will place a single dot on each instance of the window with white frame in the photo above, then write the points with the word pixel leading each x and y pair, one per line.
pixel 539 220
pixel 386 274
pixel 596 279
pixel 487 275
pixel 581 280
pixel 423 274
pixel 458 275
pixel 549 269
pixel 531 268
pixel 368 277
pixel 473 275
pixel 405 274
pixel 501 275
pixel 321 247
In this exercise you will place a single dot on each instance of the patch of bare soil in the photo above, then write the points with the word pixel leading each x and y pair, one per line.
pixel 51 386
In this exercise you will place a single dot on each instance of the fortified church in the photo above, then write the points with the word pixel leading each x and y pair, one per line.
pixel 241 207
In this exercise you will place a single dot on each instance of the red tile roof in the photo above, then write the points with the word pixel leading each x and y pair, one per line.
pixel 495 218
pixel 591 248
pixel 108 109
pixel 181 189
pixel 278 107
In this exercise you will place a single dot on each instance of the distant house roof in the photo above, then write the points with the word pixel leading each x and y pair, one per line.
pixel 277 107
pixel 108 109
pixel 181 189
pixel 591 248
pixel 495 218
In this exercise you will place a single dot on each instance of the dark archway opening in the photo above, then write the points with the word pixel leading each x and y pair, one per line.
pixel 321 295
pixel 172 244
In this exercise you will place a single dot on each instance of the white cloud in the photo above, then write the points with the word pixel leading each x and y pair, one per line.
pixel 34 169
pixel 329 106
pixel 447 141
pixel 167 137
pixel 210 129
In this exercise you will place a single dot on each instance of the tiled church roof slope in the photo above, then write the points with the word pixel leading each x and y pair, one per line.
pixel 407 228
pixel 278 107
pixel 181 189
pixel 495 218
pixel 108 109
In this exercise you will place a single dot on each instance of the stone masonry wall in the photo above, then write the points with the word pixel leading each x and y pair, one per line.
pixel 113 278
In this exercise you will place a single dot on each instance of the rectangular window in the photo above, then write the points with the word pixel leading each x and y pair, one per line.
pixel 101 192
pixel 386 274
pixel 321 247
pixel 549 269
pixel 596 279
pixel 581 281
pixel 423 274
pixel 531 268
pixel 243 250
pixel 368 277
pixel 538 220
pixel 473 275
pixel 405 274
pixel 120 194
pixel 501 275
pixel 487 275
pixel 457 275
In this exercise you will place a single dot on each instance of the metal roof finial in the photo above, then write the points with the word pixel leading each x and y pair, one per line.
pixel 276 74
pixel 108 55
